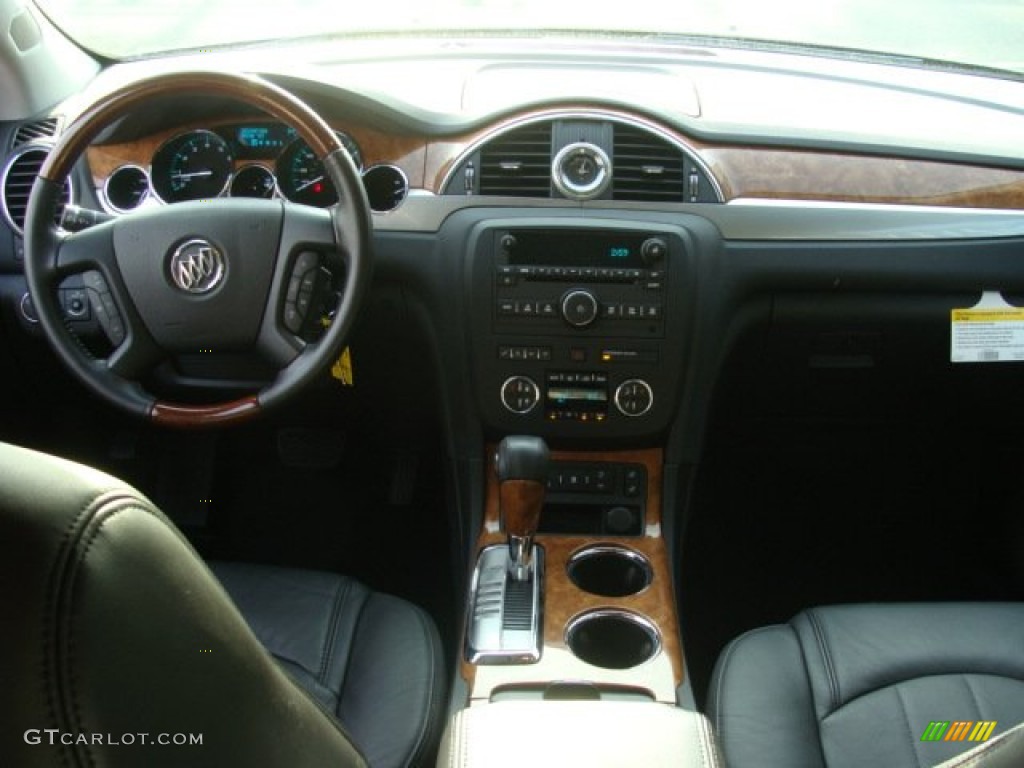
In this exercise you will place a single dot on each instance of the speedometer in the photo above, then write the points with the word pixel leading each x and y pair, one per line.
pixel 193 166
pixel 301 176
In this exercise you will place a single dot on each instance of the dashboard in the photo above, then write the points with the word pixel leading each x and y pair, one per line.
pixel 596 233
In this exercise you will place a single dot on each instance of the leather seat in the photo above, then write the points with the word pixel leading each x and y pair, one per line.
pixel 856 685
pixel 115 635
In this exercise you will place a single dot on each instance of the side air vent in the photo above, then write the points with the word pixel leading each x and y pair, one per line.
pixel 518 163
pixel 646 167
pixel 36 131
pixel 18 177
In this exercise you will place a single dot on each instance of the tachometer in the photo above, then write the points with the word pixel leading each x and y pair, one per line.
pixel 301 176
pixel 193 166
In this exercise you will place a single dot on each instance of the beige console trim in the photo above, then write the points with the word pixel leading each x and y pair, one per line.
pixel 597 734
pixel 563 600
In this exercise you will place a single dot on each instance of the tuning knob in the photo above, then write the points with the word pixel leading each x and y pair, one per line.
pixel 653 250
pixel 579 308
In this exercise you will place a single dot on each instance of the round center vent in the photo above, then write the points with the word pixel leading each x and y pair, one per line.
pixel 19 175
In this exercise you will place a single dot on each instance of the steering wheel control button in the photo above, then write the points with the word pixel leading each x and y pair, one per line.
pixel 197 267
pixel 304 286
pixel 579 308
pixel 75 303
pixel 520 394
pixel 104 307
pixel 634 397
pixel 581 171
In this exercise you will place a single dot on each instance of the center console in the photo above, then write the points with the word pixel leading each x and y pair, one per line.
pixel 578 329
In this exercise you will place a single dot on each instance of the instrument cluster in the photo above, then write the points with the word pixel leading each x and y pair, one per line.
pixel 257 160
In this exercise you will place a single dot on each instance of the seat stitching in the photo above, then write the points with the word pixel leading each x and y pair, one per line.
pixel 974 697
pixel 327 652
pixel 902 680
pixel 810 692
pixel 428 722
pixel 101 515
pixel 360 612
pixel 906 721
pixel 58 576
pixel 727 655
pixel 826 655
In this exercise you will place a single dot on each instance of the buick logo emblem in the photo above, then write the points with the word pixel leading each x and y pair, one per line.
pixel 197 267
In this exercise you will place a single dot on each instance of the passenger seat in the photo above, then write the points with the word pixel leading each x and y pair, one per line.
pixel 874 684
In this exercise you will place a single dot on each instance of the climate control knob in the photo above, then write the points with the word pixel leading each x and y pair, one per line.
pixel 579 308
pixel 520 394
pixel 634 397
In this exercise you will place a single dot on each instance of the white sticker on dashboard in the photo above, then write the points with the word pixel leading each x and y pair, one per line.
pixel 991 331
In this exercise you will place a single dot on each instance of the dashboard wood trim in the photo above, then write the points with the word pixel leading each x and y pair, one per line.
pixel 781 174
pixel 564 600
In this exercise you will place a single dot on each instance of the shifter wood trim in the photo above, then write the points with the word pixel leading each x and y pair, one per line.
pixel 563 600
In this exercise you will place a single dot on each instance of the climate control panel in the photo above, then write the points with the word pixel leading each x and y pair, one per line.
pixel 576 396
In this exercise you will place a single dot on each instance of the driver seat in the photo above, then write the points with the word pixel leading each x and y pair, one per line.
pixel 118 643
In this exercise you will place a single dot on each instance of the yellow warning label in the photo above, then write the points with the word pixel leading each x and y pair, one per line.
pixel 991 331
pixel 987 315
pixel 342 369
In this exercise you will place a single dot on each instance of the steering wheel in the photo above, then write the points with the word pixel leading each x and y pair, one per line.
pixel 223 274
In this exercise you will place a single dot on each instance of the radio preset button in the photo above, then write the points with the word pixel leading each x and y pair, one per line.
pixel 579 308
pixel 541 354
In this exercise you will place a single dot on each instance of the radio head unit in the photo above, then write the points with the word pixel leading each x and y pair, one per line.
pixel 571 324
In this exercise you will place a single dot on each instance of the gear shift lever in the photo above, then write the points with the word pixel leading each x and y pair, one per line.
pixel 522 466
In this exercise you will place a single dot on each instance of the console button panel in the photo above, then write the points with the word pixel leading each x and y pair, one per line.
pixel 595 498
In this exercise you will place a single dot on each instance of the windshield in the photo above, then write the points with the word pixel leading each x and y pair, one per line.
pixel 977 33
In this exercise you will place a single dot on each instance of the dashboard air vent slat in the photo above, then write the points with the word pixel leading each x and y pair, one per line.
pixel 36 131
pixel 518 164
pixel 19 176
pixel 646 167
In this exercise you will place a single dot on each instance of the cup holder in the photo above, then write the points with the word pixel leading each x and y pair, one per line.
pixel 610 571
pixel 612 639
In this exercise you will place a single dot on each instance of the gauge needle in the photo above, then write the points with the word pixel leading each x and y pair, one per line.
pixel 193 175
pixel 309 183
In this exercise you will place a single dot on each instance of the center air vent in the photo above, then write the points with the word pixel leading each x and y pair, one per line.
pixel 18 177
pixel 648 165
pixel 647 168
pixel 518 163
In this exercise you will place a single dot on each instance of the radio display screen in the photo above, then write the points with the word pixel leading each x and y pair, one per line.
pixel 576 248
